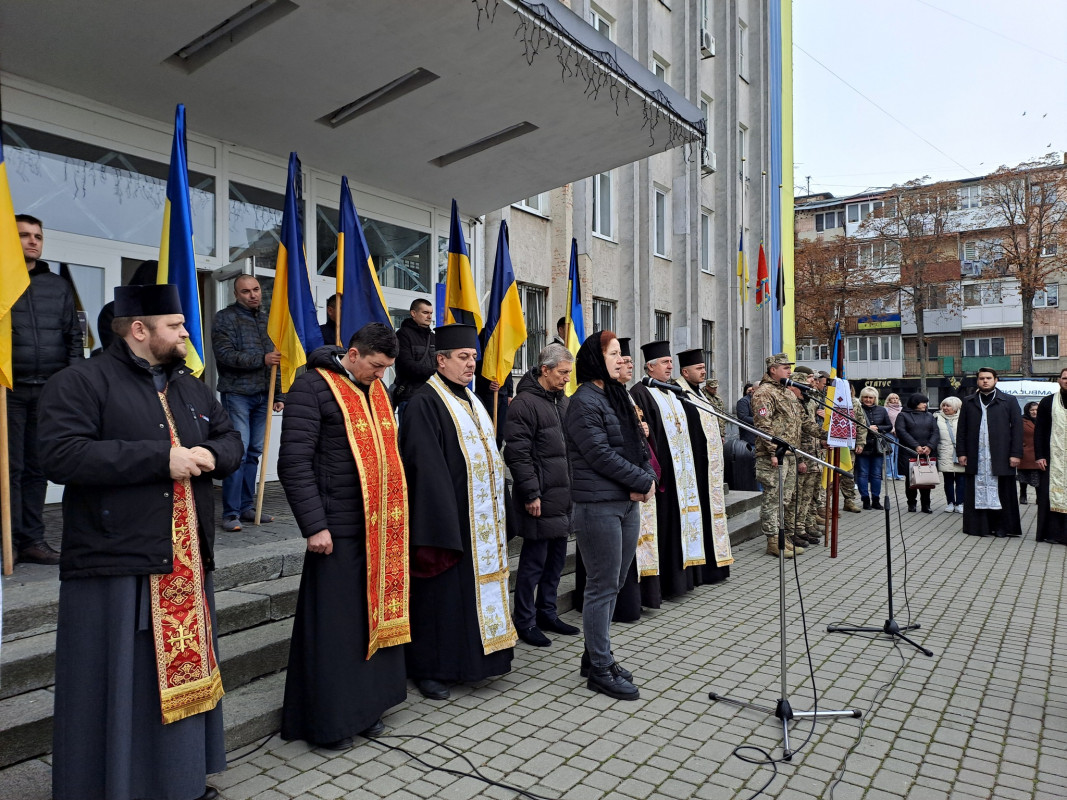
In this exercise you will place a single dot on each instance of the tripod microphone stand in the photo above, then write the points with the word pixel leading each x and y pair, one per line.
pixel 783 711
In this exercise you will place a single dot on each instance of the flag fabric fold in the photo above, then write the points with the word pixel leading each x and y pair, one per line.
pixel 359 294
pixel 505 326
pixel 763 285
pixel 177 263
pixel 293 324
pixel 742 269
pixel 575 319
pixel 841 430
pixel 14 277
pixel 461 295
pixel 779 287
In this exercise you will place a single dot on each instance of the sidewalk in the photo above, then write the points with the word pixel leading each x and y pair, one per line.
pixel 985 717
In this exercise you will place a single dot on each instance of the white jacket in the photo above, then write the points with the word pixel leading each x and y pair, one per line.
pixel 946 453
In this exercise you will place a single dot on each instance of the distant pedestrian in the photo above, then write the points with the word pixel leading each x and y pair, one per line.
pixel 1029 472
pixel 948 462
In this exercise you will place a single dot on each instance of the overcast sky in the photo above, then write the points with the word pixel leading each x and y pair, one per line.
pixel 950 89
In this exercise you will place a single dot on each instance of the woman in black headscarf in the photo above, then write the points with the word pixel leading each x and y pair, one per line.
pixel 610 475
pixel 916 429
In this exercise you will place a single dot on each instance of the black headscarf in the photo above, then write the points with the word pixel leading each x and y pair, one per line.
pixel 589 365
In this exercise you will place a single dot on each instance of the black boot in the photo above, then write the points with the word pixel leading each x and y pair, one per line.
pixel 866 503
pixel 606 681
pixel 615 667
pixel 876 503
pixel 1022 495
pixel 911 507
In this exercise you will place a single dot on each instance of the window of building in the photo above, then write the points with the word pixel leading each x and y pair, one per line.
pixel 742 46
pixel 812 350
pixel 660 68
pixel 660 226
pixel 932 348
pixel 1049 250
pixel 538 204
pixel 742 149
pixel 705 241
pixel 982 294
pixel 970 196
pixel 705 113
pixel 602 216
pixel 400 255
pixel 663 326
pixel 255 222
pixel 1047 346
pixel 604 312
pixel 1049 297
pixel 857 212
pixel 601 22
pixel 829 220
pixel 937 296
pixel 873 348
pixel 705 14
pixel 533 300
pixel 707 344
pixel 983 346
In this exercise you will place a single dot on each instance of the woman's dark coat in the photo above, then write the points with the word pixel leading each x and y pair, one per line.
pixel 916 429
pixel 875 416
pixel 1005 432
pixel 536 454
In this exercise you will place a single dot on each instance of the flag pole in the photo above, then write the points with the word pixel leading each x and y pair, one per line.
pixel 5 486
pixel 266 445
pixel 496 407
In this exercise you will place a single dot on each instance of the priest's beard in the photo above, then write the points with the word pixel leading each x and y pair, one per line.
pixel 167 354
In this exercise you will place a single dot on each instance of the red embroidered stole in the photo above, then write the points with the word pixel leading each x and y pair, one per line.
pixel 372 436
pixel 186 664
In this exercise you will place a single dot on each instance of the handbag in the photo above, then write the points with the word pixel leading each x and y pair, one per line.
pixel 923 473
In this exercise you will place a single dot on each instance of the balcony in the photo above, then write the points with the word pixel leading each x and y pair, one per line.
pixel 999 363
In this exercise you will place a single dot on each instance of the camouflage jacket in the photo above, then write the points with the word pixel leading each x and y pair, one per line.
pixel 776 410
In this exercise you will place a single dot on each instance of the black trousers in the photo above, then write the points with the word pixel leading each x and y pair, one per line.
pixel 28 484
pixel 540 566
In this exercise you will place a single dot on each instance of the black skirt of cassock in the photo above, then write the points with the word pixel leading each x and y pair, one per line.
pixel 109 739
pixel 331 690
pixel 984 521
pixel 1051 525
pixel 628 602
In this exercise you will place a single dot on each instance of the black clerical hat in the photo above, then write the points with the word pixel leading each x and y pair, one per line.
pixel 151 300
pixel 654 350
pixel 455 337
pixel 690 358
pixel 624 348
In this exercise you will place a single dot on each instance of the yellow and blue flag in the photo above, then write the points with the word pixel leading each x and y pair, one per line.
pixel 461 296
pixel 505 326
pixel 838 423
pixel 293 324
pixel 359 294
pixel 742 269
pixel 574 333
pixel 14 277
pixel 177 263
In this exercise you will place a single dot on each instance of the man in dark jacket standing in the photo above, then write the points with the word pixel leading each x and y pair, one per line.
pixel 990 445
pixel 339 464
pixel 536 454
pixel 137 441
pixel 46 336
pixel 244 355
pixel 415 363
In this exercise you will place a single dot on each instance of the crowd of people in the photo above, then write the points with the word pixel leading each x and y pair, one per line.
pixel 406 498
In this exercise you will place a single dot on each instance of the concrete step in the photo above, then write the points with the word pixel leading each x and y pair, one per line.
pixel 254 710
pixel 27 664
pixel 26 730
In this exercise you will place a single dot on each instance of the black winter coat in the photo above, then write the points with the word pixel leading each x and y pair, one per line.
pixel 1005 432
pixel 415 362
pixel 916 429
pixel 104 434
pixel 46 335
pixel 315 462
pixel 875 416
pixel 536 454
pixel 599 471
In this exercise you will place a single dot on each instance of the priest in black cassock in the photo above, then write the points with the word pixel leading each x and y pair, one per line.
pixel 679 528
pixel 705 436
pixel 1050 450
pixel 461 629
pixel 339 464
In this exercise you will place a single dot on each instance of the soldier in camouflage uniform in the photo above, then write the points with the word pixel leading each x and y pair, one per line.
pixel 776 410
pixel 711 392
pixel 809 517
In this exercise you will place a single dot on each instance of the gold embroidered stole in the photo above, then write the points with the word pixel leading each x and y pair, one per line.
pixel 685 478
pixel 186 664
pixel 720 531
pixel 1057 461
pixel 485 501
pixel 647 555
pixel 372 436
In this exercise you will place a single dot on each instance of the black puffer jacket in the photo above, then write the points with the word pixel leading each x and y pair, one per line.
pixel 536 454
pixel 315 463
pixel 45 333
pixel 916 429
pixel 415 363
pixel 599 471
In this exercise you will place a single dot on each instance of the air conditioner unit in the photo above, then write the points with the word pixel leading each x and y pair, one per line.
pixel 971 267
pixel 707 161
pixel 707 43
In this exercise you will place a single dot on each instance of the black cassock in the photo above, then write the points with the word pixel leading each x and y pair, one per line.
pixel 1051 525
pixel 446 642
pixel 709 572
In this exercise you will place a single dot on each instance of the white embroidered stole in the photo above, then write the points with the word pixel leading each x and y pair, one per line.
pixel 647 554
pixel 720 531
pixel 1057 462
pixel 685 478
pixel 485 500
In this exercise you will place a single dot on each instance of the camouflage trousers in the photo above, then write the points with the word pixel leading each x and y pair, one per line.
pixel 768 510
pixel 811 500
pixel 848 484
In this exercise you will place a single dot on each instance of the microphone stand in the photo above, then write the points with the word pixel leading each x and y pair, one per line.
pixel 891 627
pixel 782 710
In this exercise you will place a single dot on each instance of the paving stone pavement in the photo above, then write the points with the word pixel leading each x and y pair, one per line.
pixel 985 717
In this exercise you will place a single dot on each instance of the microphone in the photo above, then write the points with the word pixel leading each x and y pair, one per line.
pixel 796 385
pixel 667 387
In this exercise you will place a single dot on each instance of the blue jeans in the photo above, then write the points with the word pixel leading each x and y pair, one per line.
pixel 869 474
pixel 892 470
pixel 955 487
pixel 248 413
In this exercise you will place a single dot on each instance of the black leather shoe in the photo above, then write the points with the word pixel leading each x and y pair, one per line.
pixel 375 730
pixel 876 504
pixel 433 690
pixel 210 793
pixel 866 501
pixel 40 553
pixel 534 637
pixel 912 506
pixel 556 625
pixel 1000 534
pixel 615 667
pixel 927 510
pixel 340 744
pixel 605 681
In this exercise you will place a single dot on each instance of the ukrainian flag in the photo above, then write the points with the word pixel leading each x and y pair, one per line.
pixel 574 332
pixel 461 297
pixel 359 294
pixel 505 327
pixel 14 277
pixel 293 324
pixel 742 269
pixel 177 264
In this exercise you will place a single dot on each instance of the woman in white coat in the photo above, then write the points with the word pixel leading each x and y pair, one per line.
pixel 947 458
